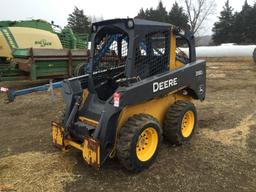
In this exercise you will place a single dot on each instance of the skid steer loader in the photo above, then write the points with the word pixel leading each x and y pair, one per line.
pixel 140 89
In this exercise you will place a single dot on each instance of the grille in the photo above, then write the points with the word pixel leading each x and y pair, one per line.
pixel 152 54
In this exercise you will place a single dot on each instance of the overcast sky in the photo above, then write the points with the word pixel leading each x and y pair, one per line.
pixel 58 10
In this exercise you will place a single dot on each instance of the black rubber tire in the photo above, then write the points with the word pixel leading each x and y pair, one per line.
pixel 254 55
pixel 173 122
pixel 128 137
pixel 79 69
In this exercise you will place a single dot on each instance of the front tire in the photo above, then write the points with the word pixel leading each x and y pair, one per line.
pixel 139 141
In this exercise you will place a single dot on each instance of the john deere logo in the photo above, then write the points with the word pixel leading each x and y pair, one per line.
pixel 43 43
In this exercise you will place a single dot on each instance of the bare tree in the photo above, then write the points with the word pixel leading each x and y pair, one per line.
pixel 198 12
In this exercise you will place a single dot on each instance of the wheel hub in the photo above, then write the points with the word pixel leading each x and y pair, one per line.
pixel 188 123
pixel 147 144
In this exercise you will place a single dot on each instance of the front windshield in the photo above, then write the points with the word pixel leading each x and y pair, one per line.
pixel 111 50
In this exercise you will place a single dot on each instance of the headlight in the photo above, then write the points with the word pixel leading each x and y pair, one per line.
pixel 94 28
pixel 130 24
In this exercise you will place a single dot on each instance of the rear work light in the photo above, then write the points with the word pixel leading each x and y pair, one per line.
pixel 3 89
pixel 116 98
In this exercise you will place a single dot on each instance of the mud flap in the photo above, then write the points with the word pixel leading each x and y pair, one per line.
pixel 91 152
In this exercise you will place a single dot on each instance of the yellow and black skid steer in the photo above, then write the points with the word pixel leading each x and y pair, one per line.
pixel 137 90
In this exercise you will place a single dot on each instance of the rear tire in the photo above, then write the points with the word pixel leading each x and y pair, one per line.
pixel 254 55
pixel 180 122
pixel 138 142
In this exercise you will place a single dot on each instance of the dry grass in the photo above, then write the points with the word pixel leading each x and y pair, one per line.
pixel 236 136
pixel 35 171
pixel 216 76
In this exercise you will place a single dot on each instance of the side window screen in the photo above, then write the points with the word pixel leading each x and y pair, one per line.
pixel 152 54
pixel 158 45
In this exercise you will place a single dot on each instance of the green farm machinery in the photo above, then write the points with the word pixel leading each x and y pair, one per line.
pixel 35 50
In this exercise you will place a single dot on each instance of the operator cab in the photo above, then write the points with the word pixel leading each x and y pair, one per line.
pixel 129 50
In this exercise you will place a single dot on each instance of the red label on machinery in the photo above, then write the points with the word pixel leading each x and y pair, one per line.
pixel 116 98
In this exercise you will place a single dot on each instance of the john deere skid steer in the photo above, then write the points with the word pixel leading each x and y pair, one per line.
pixel 140 89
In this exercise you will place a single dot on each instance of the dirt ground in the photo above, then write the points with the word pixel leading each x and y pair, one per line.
pixel 220 157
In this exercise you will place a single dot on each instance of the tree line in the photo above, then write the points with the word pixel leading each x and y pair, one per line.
pixel 231 27
pixel 191 15
pixel 236 27
pixel 176 15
